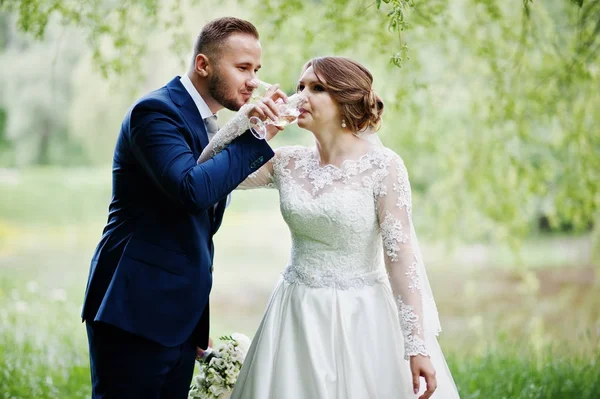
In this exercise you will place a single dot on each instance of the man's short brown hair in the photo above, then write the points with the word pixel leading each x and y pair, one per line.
pixel 214 33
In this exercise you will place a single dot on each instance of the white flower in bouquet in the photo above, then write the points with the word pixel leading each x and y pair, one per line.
pixel 243 343
pixel 220 370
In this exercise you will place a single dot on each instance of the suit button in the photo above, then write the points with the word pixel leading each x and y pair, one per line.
pixel 212 268
pixel 257 162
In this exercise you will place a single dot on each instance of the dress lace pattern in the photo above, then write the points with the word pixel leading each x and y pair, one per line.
pixel 343 220
pixel 351 227
pixel 232 129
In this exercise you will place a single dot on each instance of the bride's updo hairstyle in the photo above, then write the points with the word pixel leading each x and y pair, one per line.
pixel 351 85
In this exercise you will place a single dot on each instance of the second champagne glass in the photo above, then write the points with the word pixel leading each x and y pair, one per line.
pixel 288 113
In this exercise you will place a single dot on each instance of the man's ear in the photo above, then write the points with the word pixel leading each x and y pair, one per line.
pixel 202 65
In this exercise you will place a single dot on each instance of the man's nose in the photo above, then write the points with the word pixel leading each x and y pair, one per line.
pixel 253 83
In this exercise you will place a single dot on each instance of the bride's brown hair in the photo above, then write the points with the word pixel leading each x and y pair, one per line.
pixel 351 85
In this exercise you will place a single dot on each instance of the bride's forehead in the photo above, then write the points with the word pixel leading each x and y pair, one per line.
pixel 309 75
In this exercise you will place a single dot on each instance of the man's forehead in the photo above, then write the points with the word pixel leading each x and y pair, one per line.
pixel 242 49
pixel 242 42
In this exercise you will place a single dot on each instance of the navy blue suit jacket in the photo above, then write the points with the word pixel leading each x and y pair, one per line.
pixel 151 273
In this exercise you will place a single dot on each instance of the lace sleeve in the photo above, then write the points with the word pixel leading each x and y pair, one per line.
pixel 416 308
pixel 262 178
pixel 236 126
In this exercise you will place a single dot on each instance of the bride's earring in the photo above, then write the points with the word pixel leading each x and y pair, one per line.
pixel 343 123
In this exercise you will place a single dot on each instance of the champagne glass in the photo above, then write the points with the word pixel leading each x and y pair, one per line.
pixel 288 111
pixel 260 91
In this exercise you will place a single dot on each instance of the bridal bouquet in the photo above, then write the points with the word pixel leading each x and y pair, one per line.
pixel 219 370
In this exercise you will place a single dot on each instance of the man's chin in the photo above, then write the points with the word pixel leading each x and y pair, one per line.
pixel 234 105
pixel 231 103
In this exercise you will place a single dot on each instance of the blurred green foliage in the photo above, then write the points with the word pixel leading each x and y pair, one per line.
pixel 494 108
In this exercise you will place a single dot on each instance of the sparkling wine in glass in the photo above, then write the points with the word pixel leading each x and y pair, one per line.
pixel 288 113
pixel 260 91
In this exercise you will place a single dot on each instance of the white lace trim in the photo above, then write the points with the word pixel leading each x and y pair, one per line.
pixel 332 279
pixel 375 181
pixel 262 176
pixel 411 328
pixel 392 234
pixel 320 177
pixel 236 126
pixel 402 187
pixel 413 276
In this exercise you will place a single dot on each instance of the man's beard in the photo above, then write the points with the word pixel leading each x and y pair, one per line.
pixel 219 91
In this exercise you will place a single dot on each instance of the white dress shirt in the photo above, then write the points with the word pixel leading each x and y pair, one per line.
pixel 205 112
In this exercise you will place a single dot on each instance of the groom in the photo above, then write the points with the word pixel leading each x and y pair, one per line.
pixel 146 303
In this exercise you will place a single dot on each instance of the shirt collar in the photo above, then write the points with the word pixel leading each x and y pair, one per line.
pixel 205 112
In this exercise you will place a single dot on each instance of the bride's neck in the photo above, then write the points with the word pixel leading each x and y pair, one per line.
pixel 336 148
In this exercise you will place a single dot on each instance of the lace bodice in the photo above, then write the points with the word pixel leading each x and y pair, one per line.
pixel 331 215
pixel 351 226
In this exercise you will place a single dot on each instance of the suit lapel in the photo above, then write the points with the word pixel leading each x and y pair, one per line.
pixel 190 113
pixel 192 118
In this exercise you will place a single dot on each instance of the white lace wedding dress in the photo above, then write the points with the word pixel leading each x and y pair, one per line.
pixel 354 301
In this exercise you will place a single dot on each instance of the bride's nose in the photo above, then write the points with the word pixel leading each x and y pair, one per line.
pixel 305 93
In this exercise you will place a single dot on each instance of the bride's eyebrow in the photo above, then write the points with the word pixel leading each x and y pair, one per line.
pixel 310 81
pixel 319 81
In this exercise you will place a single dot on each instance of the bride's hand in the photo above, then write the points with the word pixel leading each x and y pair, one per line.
pixel 421 366
pixel 266 107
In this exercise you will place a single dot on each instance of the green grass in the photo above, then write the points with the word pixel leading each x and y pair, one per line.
pixel 516 372
pixel 42 342
pixel 28 372
pixel 507 334
pixel 44 356
pixel 53 196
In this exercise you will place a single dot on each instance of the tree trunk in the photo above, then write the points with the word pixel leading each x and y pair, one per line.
pixel 44 147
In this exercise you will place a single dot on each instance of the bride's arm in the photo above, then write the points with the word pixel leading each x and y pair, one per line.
pixel 237 126
pixel 262 178
pixel 233 129
pixel 402 257
pixel 408 279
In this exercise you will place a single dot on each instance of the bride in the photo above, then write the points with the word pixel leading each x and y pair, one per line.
pixel 353 316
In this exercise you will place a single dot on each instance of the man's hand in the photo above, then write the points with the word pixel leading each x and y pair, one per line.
pixel 266 108
pixel 200 351
pixel 421 366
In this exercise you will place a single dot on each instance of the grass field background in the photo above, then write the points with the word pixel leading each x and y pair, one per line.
pixel 525 328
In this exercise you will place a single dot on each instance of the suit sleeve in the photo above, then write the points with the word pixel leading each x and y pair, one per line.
pixel 159 146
